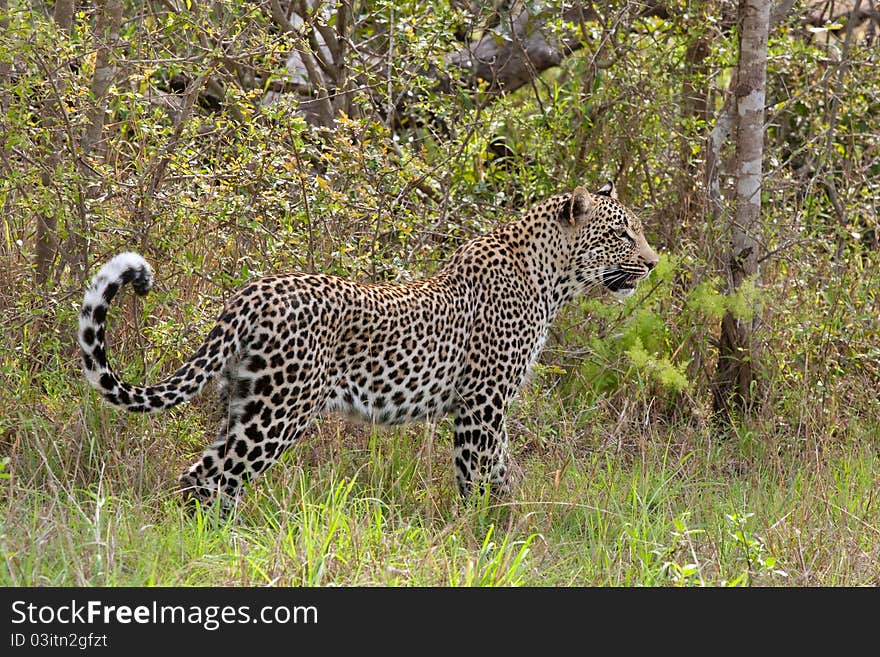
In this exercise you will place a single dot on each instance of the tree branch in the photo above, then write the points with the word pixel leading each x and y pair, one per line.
pixel 507 62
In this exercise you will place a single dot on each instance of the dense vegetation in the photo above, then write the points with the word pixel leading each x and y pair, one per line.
pixel 188 132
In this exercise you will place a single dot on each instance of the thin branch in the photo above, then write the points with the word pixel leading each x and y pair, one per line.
pixel 156 171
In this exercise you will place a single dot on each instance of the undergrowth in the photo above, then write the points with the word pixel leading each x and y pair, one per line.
pixel 624 476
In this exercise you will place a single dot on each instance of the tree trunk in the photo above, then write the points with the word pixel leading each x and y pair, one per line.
pixel 106 36
pixel 735 375
pixel 508 64
pixel 511 52
pixel 108 21
pixel 5 66
pixel 694 106
pixel 47 221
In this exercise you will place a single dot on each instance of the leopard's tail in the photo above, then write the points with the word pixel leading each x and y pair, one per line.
pixel 181 386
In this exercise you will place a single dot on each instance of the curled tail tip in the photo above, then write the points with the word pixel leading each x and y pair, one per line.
pixel 124 268
pixel 130 267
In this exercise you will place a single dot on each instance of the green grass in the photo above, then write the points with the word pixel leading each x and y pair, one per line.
pixel 622 478
pixel 88 502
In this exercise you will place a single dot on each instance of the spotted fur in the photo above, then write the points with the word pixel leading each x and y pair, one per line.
pixel 460 343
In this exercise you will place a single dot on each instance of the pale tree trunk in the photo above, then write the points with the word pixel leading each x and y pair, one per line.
pixel 723 124
pixel 737 352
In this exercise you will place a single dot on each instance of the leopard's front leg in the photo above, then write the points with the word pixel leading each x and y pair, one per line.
pixel 480 444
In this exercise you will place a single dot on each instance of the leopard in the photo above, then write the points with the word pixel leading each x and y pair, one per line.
pixel 460 344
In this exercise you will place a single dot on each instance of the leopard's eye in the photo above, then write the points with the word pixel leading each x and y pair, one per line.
pixel 623 233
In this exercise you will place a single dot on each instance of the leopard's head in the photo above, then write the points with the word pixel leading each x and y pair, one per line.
pixel 609 246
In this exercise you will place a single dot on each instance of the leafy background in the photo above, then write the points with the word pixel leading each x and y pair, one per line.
pixel 199 152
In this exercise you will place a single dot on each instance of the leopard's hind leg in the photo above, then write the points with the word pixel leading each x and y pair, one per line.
pixel 267 412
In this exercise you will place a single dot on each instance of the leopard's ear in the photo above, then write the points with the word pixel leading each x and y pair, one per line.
pixel 579 205
pixel 608 190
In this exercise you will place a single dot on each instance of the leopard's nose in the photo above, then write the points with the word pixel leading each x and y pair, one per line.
pixel 649 257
